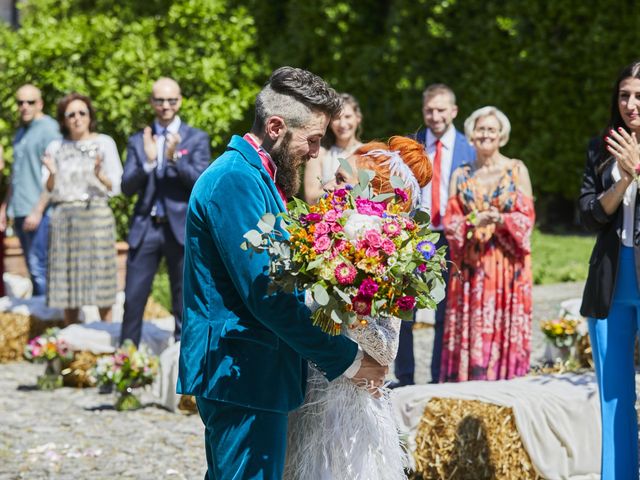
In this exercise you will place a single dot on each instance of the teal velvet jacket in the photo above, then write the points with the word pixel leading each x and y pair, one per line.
pixel 240 345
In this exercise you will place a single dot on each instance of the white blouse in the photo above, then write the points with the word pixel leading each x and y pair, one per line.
pixel 628 208
pixel 75 163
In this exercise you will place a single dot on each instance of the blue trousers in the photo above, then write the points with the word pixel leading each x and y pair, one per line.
pixel 612 342
pixel 35 248
pixel 404 366
pixel 242 443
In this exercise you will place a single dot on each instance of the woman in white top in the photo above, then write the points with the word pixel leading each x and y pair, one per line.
pixel 342 139
pixel 84 171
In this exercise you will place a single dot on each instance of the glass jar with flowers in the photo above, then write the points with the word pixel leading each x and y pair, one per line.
pixel 53 350
pixel 562 333
pixel 128 368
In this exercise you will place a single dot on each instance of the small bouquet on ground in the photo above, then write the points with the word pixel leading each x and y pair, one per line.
pixel 359 255
pixel 128 368
pixel 51 349
pixel 561 332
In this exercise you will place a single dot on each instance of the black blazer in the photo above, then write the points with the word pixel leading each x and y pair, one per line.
pixel 176 183
pixel 603 264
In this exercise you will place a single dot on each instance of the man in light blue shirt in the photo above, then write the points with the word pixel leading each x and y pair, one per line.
pixel 26 199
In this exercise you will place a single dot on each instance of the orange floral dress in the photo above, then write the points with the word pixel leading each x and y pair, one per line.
pixel 487 329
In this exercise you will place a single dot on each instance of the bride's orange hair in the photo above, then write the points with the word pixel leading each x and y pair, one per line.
pixel 412 153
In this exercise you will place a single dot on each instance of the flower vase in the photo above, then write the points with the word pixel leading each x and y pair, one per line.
pixel 52 377
pixel 127 401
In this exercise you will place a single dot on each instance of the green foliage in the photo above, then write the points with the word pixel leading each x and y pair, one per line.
pixel 113 52
pixel 560 258
pixel 549 67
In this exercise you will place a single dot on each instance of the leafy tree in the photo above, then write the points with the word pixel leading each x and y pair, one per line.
pixel 113 52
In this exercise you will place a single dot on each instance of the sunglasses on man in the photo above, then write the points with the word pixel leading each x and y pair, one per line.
pixel 70 115
pixel 28 102
pixel 160 101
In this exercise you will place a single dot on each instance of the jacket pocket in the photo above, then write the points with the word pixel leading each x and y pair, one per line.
pixel 238 329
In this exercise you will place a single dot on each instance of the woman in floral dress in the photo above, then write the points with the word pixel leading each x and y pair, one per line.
pixel 488 224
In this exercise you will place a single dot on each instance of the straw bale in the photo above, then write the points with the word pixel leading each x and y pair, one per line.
pixel 470 440
pixel 14 335
pixel 154 310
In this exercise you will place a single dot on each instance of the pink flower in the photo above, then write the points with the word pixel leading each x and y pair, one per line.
pixel 312 217
pixel 322 228
pixel 422 267
pixel 321 244
pixel 184 151
pixel 391 228
pixel 336 227
pixel 371 252
pixel 409 224
pixel 406 303
pixel 401 194
pixel 331 216
pixel 388 246
pixel 340 193
pixel 345 274
pixel 361 305
pixel 368 207
pixel 368 288
pixel 373 238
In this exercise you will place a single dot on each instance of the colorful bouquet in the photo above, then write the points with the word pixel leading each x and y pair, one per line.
pixel 47 347
pixel 561 332
pixel 358 256
pixel 127 368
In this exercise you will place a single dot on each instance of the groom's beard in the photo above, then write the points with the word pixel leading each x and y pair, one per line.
pixel 288 176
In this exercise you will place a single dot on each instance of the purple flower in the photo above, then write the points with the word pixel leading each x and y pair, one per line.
pixel 427 249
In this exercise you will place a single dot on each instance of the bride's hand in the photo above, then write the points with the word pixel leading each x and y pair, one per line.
pixel 371 375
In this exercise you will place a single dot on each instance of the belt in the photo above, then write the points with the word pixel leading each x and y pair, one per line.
pixel 157 220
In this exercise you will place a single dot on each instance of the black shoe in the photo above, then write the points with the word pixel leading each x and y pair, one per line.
pixel 105 389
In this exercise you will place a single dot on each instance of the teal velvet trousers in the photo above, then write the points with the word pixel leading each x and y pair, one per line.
pixel 242 443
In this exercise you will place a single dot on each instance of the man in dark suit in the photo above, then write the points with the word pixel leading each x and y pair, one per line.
pixel 448 149
pixel 163 163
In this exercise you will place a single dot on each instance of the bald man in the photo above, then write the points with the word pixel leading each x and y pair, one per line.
pixel 163 162
pixel 26 200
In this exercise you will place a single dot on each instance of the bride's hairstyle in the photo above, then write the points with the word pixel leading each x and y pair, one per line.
pixel 377 156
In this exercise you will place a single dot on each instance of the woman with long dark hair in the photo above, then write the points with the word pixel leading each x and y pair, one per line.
pixel 611 301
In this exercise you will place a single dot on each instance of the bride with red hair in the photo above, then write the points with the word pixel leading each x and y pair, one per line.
pixel 343 430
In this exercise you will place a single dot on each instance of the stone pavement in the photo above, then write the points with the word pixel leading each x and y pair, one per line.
pixel 76 434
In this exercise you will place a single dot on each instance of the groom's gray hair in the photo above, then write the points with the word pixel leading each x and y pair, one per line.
pixel 293 94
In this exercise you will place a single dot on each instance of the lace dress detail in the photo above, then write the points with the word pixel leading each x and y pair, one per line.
pixel 341 431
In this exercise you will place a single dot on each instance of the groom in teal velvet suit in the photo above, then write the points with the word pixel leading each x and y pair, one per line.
pixel 244 352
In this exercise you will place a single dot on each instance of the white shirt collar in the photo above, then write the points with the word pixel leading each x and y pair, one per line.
pixel 173 127
pixel 448 139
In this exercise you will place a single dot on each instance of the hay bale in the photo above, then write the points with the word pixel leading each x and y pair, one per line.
pixel 14 335
pixel 154 310
pixel 470 440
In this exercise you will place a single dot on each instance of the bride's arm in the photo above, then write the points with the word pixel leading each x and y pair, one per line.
pixel 379 338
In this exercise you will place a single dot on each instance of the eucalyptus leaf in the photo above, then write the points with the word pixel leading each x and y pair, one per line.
pixel 421 217
pixel 336 316
pixel 346 298
pixel 320 294
pixel 383 196
pixel 267 222
pixel 346 166
pixel 254 237
pixel 438 293
pixel 397 182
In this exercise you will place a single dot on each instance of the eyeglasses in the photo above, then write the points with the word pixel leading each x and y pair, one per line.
pixel 487 130
pixel 160 101
pixel 70 115
pixel 29 102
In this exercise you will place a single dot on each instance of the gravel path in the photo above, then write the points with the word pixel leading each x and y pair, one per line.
pixel 76 434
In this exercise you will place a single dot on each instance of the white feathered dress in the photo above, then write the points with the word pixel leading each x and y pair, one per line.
pixel 343 432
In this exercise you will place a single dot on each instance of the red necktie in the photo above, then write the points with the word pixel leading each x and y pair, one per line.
pixel 435 186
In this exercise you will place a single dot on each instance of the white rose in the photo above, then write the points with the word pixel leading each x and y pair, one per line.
pixel 357 224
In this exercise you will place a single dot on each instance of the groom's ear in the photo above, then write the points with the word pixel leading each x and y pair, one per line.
pixel 275 127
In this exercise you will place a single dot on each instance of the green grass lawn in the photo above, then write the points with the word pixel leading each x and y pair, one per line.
pixel 555 258
pixel 560 258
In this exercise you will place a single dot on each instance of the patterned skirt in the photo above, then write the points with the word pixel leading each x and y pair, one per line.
pixel 82 255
